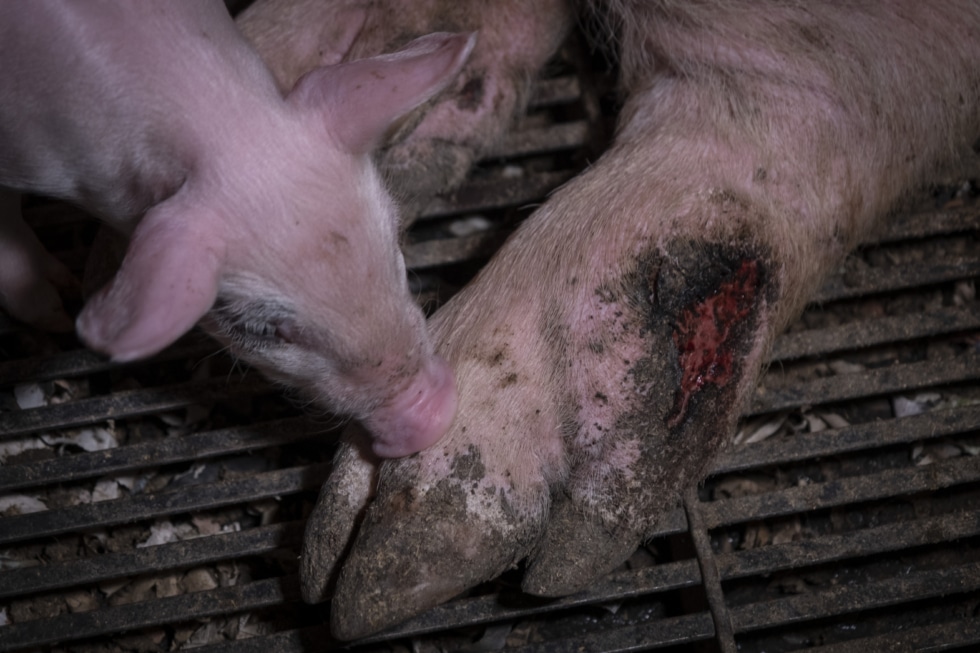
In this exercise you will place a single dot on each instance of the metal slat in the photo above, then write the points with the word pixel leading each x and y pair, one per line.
pixel 614 587
pixel 859 437
pixel 148 506
pixel 542 140
pixel 849 598
pixel 555 91
pixel 482 196
pixel 856 544
pixel 924 224
pixel 902 377
pixel 454 615
pixel 120 405
pixel 196 446
pixel 302 640
pixel 432 253
pixel 874 281
pixel 856 489
pixel 710 576
pixel 940 637
pixel 871 333
pixel 176 555
pixel 186 607
pixel 657 634
pixel 742 563
pixel 83 362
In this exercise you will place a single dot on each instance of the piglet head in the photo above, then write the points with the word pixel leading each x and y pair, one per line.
pixel 289 242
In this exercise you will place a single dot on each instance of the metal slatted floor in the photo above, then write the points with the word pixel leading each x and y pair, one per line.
pixel 838 525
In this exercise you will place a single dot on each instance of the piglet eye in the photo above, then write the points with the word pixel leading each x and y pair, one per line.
pixel 257 329
pixel 255 324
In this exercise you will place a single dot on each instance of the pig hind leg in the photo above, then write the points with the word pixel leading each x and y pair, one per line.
pixel 659 358
pixel 603 355
pixel 786 166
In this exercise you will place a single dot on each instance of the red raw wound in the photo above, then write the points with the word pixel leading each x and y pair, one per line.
pixel 704 337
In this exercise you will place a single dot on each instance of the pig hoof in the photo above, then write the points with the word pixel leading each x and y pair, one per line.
pixel 575 549
pixel 579 422
pixel 339 511
pixel 439 525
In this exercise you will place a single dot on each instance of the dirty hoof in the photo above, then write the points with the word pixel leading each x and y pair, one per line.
pixel 579 421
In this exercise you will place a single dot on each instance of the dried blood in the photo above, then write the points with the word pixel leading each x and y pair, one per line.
pixel 705 337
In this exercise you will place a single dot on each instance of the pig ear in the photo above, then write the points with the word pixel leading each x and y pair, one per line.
pixel 362 99
pixel 167 282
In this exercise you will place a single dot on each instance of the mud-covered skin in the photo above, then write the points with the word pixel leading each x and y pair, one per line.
pixel 602 356
pixel 603 513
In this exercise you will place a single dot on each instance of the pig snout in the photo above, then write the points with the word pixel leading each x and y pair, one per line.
pixel 418 415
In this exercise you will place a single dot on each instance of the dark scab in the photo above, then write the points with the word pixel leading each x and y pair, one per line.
pixel 596 347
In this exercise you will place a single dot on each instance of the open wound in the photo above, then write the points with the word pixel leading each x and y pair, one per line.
pixel 710 336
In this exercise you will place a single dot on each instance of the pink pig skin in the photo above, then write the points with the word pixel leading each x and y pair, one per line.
pixel 262 211
pixel 604 354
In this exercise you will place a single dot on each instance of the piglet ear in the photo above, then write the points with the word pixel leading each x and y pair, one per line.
pixel 167 282
pixel 362 99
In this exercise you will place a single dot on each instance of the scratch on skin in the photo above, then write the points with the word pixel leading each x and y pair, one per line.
pixel 704 337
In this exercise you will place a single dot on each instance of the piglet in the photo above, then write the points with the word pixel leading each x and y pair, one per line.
pixel 604 354
pixel 260 212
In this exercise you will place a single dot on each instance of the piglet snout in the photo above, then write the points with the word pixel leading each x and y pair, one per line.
pixel 417 416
